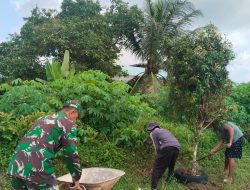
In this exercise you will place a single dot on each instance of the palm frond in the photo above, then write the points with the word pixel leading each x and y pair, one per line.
pixel 162 19
pixel 187 19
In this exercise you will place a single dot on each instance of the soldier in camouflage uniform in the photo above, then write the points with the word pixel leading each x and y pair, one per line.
pixel 31 165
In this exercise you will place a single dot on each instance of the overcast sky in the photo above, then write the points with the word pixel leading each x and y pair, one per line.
pixel 230 16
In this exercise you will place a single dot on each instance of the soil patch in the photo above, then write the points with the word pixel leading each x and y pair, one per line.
pixel 208 186
pixel 248 187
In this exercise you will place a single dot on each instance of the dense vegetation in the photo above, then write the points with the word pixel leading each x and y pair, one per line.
pixel 112 131
pixel 198 79
pixel 112 125
pixel 81 27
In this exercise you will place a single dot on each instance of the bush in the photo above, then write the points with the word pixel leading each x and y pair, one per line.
pixel 23 100
pixel 239 105
pixel 132 136
pixel 104 103
pixel 159 101
pixel 11 131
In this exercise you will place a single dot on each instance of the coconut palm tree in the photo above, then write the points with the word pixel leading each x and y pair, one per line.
pixel 163 19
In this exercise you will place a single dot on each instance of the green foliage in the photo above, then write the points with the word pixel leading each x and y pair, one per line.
pixel 79 27
pixel 146 83
pixel 159 101
pixel 104 103
pixel 162 19
pixel 56 70
pixel 80 8
pixel 85 133
pixel 7 130
pixel 88 38
pixel 15 63
pixel 65 64
pixel 4 87
pixel 103 154
pixel 199 80
pixel 125 23
pixel 132 136
pixel 197 74
pixel 24 100
pixel 239 105
pixel 12 128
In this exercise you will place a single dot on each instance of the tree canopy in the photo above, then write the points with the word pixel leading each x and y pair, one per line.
pixel 197 73
pixel 198 79
pixel 82 27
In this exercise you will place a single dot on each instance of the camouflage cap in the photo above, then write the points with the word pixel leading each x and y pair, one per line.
pixel 73 104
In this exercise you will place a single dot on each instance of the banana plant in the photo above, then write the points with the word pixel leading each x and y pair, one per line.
pixel 55 70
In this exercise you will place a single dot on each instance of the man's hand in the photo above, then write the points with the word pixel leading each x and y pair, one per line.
pixel 76 186
pixel 228 145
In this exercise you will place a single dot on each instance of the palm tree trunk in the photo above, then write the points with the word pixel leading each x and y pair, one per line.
pixel 151 67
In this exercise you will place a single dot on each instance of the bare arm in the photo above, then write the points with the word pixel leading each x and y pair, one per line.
pixel 231 135
pixel 217 147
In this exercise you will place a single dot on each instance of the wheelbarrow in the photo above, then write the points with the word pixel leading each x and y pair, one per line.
pixel 94 179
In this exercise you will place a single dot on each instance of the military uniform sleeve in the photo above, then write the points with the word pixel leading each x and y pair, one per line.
pixel 70 153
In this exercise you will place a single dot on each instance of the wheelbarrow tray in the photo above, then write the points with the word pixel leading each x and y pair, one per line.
pixel 96 178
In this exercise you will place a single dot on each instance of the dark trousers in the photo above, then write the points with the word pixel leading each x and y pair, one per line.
pixel 20 184
pixel 165 159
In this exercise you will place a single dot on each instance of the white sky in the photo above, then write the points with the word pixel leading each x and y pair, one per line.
pixel 230 16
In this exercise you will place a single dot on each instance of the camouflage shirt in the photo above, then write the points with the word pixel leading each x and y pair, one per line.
pixel 33 156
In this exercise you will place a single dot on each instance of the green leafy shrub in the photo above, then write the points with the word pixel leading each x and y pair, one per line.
pixel 8 129
pixel 160 102
pixel 55 70
pixel 24 100
pixel 12 129
pixel 101 153
pixel 85 133
pixel 239 105
pixel 132 136
pixel 4 88
pixel 104 103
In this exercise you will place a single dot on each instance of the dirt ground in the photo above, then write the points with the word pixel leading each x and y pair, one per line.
pixel 208 186
pixel 248 187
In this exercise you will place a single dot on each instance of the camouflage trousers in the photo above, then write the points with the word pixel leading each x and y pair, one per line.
pixel 20 184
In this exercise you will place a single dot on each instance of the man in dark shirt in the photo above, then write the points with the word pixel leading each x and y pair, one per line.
pixel 167 151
